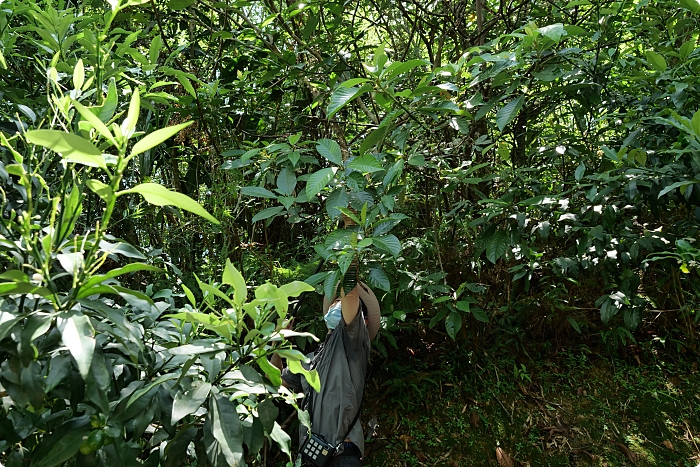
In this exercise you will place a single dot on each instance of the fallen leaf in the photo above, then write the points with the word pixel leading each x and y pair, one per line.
pixel 632 457
pixel 668 444
pixel 474 420
pixel 562 426
pixel 503 458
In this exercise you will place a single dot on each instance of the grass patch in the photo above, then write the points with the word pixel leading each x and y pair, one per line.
pixel 571 407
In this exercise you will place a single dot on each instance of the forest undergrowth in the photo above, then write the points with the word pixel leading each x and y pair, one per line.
pixel 436 403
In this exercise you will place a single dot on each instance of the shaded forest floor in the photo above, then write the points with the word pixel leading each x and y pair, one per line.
pixel 435 403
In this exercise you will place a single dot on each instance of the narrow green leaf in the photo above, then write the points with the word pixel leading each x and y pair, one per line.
pixel 353 82
pixel 187 84
pixel 96 123
pixel 574 324
pixel 106 111
pixel 318 181
pixel 78 75
pixel 154 139
pixel 128 269
pixel 78 335
pixel 330 150
pixel 234 278
pixel 673 186
pixel 206 288
pixel 59 450
pixel 129 124
pixel 190 295
pixel 508 112
pixel 607 310
pixel 695 123
pixel 258 191
pixel 160 196
pixel 267 213
pixel 72 147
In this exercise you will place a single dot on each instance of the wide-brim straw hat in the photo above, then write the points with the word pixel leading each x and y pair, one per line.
pixel 367 296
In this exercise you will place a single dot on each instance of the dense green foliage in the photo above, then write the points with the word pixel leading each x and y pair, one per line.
pixel 511 167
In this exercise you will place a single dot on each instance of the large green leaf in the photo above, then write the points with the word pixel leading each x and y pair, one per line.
pixel 673 186
pixel 496 245
pixel 60 446
pixel 343 95
pixel 187 401
pixel 378 277
pixel 267 213
pixel 296 288
pixel 311 376
pixel 608 309
pixel 154 139
pixel 365 163
pixel 72 147
pixel 282 438
pixel 553 31
pixel 286 182
pixel 161 196
pixel 330 150
pixel 226 429
pixel 657 60
pixel 78 335
pixel 318 181
pixel 508 112
pixel 377 135
pixel 388 243
pixel 453 323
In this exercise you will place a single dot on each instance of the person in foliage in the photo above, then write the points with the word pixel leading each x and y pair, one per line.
pixel 341 363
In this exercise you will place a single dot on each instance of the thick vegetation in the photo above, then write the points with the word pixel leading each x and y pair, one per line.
pixel 522 175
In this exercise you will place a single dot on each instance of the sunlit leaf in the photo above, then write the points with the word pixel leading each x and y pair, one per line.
pixel 77 335
pixel 72 147
pixel 154 139
pixel 158 195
